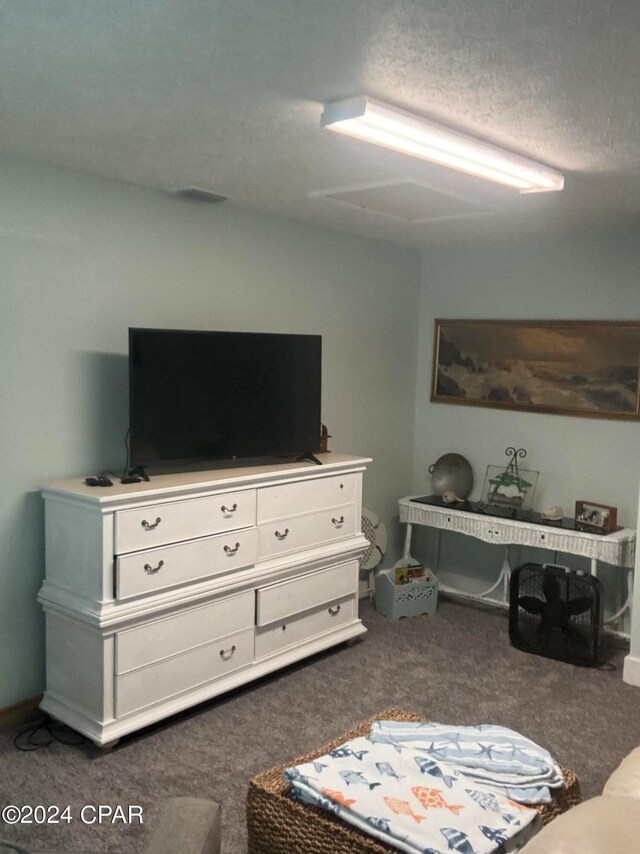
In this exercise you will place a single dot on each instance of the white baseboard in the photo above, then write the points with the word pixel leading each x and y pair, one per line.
pixel 631 672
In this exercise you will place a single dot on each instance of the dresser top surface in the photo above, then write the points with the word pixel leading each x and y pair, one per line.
pixel 199 481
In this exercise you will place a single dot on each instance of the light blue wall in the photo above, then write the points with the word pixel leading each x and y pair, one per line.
pixel 84 258
pixel 593 274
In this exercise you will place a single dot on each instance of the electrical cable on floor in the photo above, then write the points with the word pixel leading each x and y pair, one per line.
pixel 44 733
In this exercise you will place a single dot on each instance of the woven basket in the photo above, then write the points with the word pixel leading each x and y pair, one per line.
pixel 277 824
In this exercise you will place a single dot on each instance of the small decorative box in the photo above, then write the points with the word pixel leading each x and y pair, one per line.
pixel 419 596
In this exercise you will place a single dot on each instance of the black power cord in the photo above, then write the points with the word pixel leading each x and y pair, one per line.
pixel 131 474
pixel 45 732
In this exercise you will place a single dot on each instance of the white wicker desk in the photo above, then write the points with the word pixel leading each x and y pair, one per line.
pixel 617 548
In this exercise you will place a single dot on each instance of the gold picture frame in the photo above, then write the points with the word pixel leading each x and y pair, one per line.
pixel 587 368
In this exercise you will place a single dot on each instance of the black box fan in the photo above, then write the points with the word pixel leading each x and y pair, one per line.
pixel 556 612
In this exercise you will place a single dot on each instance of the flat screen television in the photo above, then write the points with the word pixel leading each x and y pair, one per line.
pixel 208 396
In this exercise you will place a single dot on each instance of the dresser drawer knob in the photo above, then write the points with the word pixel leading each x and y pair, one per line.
pixel 283 535
pixel 149 526
pixel 231 551
pixel 151 570
pixel 284 627
pixel 334 610
pixel 229 509
pixel 225 654
pixel 339 521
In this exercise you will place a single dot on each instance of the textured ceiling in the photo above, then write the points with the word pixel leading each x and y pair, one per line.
pixel 227 94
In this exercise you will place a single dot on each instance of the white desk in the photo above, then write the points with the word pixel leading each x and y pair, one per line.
pixel 617 548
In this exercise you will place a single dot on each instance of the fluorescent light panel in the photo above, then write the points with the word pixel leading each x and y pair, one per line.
pixel 375 122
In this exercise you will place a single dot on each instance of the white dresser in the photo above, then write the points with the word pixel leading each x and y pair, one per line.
pixel 161 595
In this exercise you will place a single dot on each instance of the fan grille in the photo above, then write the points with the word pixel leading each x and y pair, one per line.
pixel 555 613
pixel 369 531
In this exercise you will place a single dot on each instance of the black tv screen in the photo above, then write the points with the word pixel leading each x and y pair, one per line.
pixel 198 396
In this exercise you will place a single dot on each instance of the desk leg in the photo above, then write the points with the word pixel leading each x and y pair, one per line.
pixel 406 554
pixel 436 552
pixel 504 578
pixel 627 601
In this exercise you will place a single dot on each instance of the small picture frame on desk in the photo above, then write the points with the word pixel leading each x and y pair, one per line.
pixel 595 518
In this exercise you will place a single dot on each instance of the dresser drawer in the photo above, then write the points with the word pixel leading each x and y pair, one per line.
pixel 278 636
pixel 282 600
pixel 169 636
pixel 164 680
pixel 156 525
pixel 278 502
pixel 155 569
pixel 310 529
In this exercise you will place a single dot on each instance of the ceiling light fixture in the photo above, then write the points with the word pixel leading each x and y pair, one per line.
pixel 375 122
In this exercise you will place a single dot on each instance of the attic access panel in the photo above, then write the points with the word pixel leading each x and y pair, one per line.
pixel 406 199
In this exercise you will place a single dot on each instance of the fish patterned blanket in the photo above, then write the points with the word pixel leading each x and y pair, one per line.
pixel 397 793
pixel 494 755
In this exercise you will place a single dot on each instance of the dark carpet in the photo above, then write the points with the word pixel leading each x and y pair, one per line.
pixel 454 667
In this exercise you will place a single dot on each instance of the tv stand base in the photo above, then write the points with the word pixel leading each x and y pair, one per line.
pixel 309 457
pixel 134 475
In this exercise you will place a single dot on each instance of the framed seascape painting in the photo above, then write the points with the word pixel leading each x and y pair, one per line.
pixel 589 368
